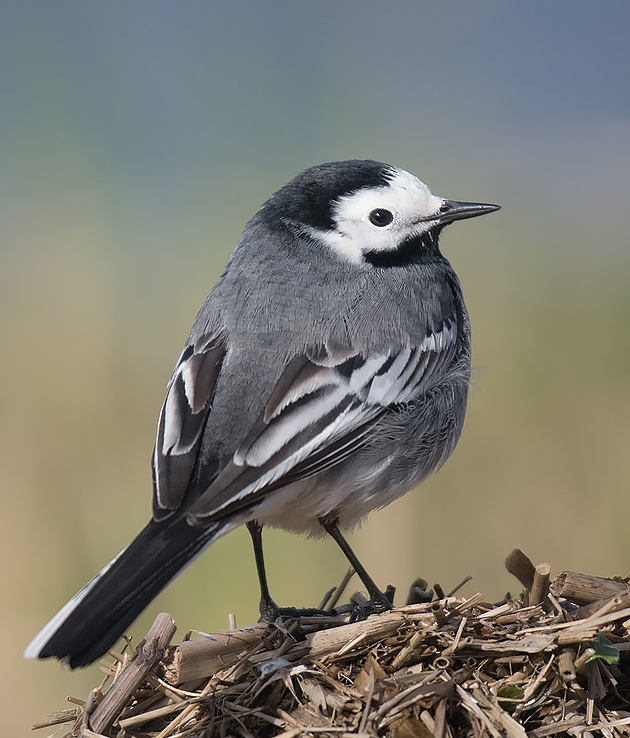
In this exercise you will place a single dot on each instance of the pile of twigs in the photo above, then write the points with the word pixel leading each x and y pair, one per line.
pixel 554 662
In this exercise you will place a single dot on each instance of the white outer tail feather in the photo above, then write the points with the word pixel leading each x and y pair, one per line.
pixel 35 647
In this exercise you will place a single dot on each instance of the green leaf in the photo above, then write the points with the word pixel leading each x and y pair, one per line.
pixel 510 692
pixel 604 649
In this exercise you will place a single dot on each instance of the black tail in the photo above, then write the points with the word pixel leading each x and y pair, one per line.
pixel 99 614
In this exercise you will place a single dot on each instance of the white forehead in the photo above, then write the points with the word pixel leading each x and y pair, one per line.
pixel 406 196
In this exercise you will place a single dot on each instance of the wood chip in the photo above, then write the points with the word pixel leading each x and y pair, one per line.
pixel 147 654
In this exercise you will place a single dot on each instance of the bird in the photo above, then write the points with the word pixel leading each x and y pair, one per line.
pixel 325 375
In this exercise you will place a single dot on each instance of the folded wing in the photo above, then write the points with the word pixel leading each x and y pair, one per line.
pixel 320 412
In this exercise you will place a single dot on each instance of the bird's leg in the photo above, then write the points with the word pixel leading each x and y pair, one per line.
pixel 378 601
pixel 269 611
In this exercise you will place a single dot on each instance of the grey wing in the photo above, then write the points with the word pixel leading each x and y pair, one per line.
pixel 319 413
pixel 182 419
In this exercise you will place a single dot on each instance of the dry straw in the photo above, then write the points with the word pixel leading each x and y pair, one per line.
pixel 554 662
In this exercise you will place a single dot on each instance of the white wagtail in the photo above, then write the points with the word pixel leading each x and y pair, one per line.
pixel 325 375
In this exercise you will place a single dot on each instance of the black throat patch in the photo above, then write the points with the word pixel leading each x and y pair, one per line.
pixel 413 250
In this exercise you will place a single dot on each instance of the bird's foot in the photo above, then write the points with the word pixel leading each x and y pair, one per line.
pixel 379 602
pixel 270 612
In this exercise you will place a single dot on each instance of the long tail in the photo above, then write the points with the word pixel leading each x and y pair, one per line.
pixel 98 615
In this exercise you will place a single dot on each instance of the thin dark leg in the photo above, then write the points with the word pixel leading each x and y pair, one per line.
pixel 268 609
pixel 378 600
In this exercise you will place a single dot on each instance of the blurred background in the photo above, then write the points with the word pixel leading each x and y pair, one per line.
pixel 136 139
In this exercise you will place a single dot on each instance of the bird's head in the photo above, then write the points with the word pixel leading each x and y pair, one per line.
pixel 367 212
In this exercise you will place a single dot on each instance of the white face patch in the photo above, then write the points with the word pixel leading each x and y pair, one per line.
pixel 409 201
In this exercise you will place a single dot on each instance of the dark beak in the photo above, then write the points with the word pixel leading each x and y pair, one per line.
pixel 452 210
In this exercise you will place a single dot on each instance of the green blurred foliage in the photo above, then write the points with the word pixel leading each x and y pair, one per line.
pixel 137 139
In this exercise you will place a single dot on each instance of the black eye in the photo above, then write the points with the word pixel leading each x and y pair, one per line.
pixel 381 217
